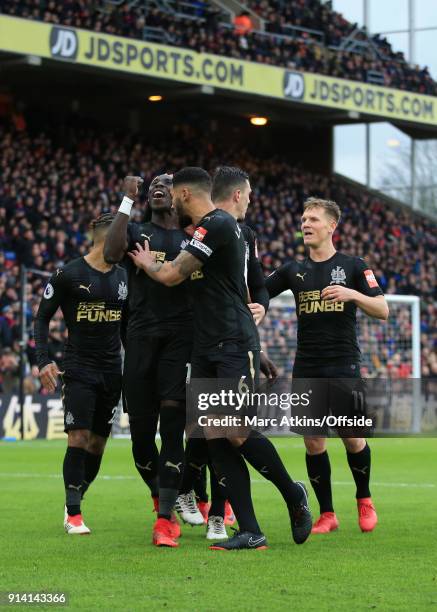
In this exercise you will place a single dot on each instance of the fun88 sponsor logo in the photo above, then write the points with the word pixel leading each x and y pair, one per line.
pixel 64 43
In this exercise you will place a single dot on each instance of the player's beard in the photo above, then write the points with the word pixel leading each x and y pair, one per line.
pixel 183 218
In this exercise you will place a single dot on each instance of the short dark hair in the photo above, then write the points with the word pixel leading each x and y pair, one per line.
pixel 225 180
pixel 193 175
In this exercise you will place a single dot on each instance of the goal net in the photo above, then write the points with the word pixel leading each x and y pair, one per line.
pixel 390 352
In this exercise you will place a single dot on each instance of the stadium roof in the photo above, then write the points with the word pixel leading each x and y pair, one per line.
pixel 142 67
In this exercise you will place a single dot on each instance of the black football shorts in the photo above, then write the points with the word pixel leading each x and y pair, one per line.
pixel 155 369
pixel 90 399
pixel 331 391
pixel 214 373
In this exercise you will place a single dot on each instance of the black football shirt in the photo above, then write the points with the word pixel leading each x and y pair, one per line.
pixel 326 333
pixel 155 309
pixel 255 275
pixel 92 303
pixel 222 319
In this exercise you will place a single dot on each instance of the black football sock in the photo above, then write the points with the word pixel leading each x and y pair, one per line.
pixel 359 464
pixel 319 473
pixel 233 475
pixel 200 484
pixel 167 500
pixel 92 467
pixel 218 496
pixel 74 472
pixel 263 456
pixel 196 459
pixel 172 456
pixel 145 451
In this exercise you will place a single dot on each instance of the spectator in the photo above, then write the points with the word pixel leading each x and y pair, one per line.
pixel 88 169
pixel 243 24
pixel 5 329
pixel 9 371
pixel 202 31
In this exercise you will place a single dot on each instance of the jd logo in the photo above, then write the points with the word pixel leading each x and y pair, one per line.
pixel 294 85
pixel 63 43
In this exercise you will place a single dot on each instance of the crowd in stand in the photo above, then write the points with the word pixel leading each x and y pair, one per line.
pixel 205 32
pixel 50 190
pixel 319 16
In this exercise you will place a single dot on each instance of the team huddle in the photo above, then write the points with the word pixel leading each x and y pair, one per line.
pixel 184 292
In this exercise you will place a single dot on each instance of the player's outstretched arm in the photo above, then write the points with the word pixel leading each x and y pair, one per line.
pixel 256 283
pixel 278 281
pixel 50 302
pixel 373 306
pixel 168 273
pixel 258 312
pixel 367 294
pixel 116 242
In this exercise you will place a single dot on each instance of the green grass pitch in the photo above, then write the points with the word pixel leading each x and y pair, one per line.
pixel 393 568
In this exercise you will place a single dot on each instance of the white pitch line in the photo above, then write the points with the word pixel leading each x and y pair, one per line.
pixel 395 485
pixel 35 475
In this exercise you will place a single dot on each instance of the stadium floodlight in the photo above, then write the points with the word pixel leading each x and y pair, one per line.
pixel 25 60
pixel 34 60
pixel 259 121
pixel 209 90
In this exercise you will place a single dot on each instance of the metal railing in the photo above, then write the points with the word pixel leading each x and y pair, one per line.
pixel 298 32
pixel 273 35
pixel 24 335
pixel 186 9
pixel 158 35
pixel 376 77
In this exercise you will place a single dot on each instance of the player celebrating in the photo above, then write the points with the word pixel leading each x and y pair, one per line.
pixel 91 295
pixel 230 192
pixel 329 287
pixel 226 345
pixel 158 349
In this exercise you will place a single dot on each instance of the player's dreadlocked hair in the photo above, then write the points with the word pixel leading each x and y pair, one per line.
pixel 98 225
pixel 101 221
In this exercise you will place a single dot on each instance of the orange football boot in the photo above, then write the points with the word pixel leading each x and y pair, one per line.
pixel 204 509
pixel 163 534
pixel 326 523
pixel 367 517
pixel 229 514
pixel 175 527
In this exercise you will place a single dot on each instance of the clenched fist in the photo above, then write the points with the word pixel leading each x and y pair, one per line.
pixel 131 185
